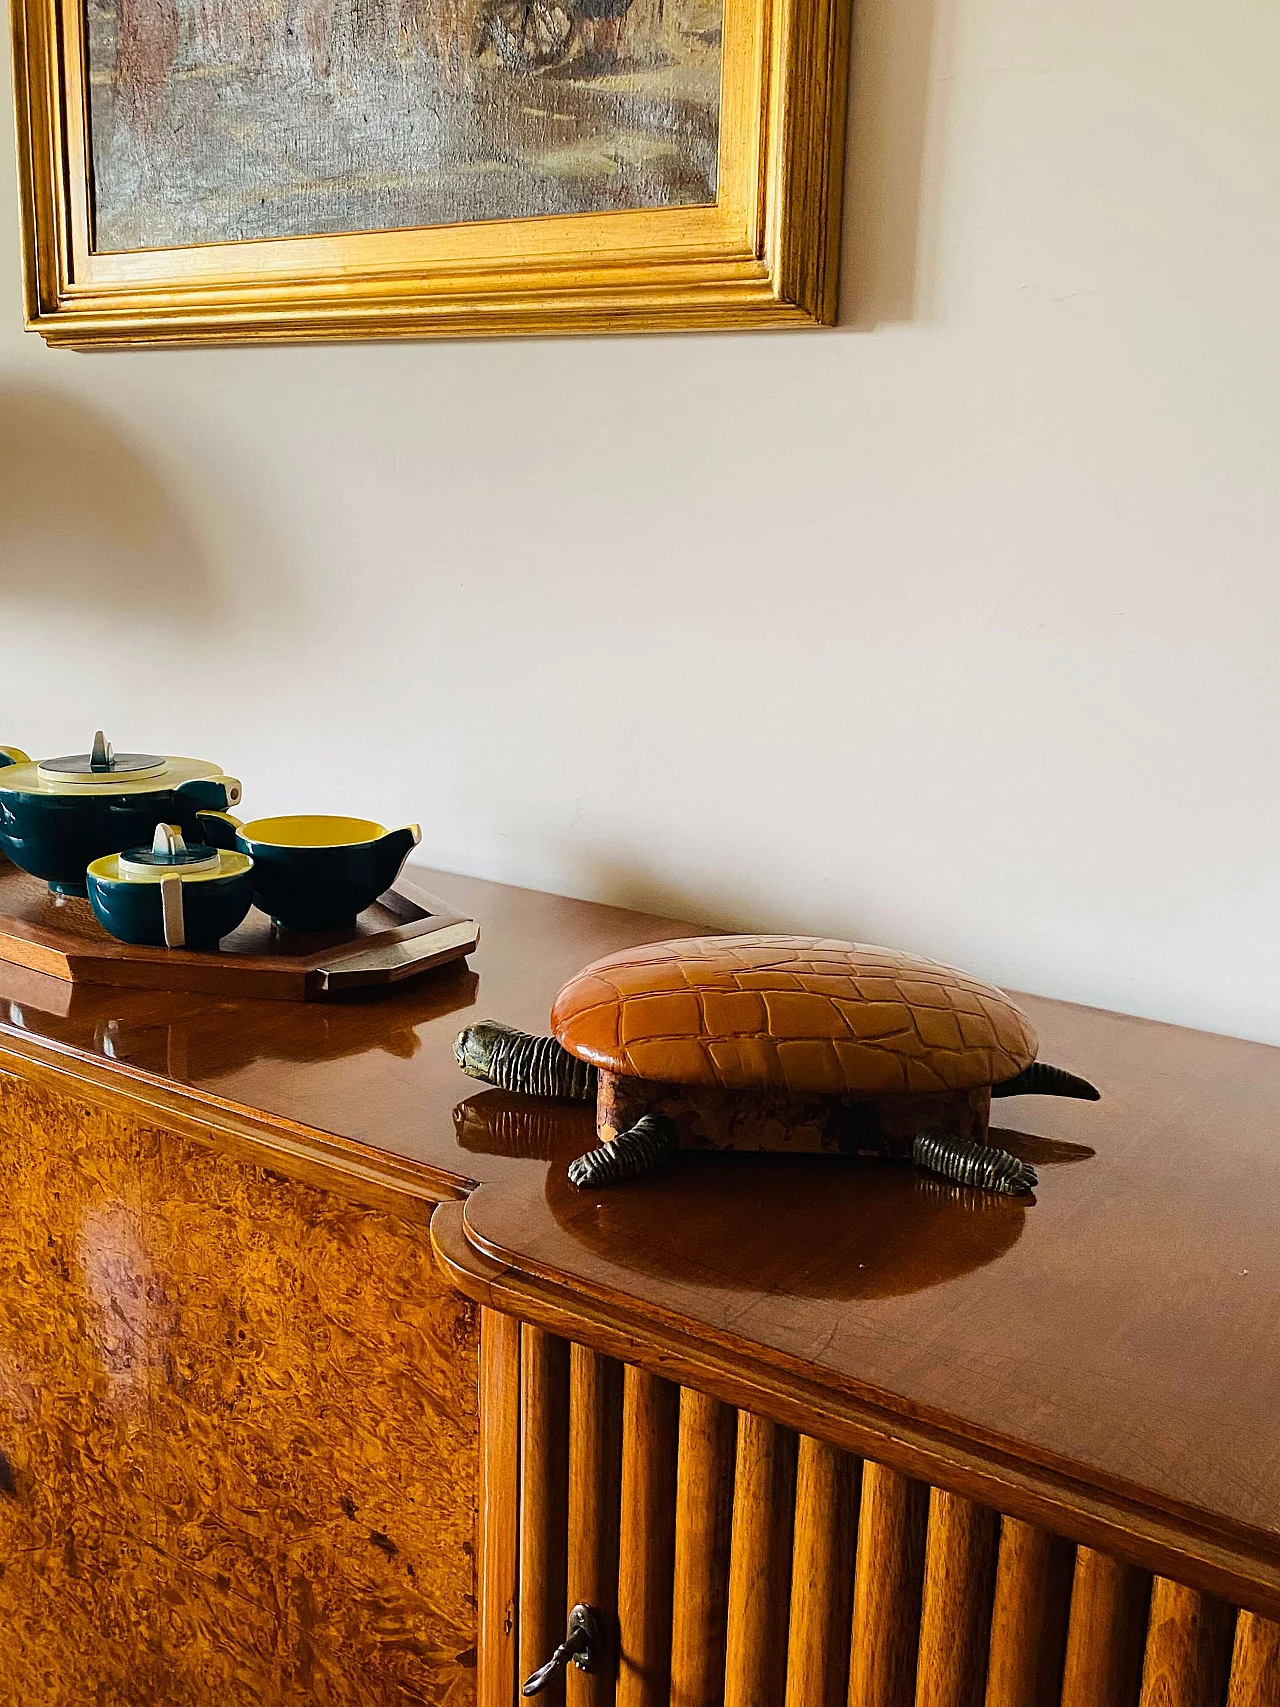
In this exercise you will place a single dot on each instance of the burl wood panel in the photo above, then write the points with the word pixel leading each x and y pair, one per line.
pixel 238 1431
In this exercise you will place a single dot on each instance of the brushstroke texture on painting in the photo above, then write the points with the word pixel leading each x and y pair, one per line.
pixel 223 120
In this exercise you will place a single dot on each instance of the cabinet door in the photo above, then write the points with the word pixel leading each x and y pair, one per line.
pixel 238 1433
pixel 733 1563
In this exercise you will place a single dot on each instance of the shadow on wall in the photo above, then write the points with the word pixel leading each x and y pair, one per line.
pixel 619 878
pixel 722 901
pixel 86 521
pixel 888 213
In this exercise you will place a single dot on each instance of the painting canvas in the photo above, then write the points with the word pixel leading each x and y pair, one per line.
pixel 214 121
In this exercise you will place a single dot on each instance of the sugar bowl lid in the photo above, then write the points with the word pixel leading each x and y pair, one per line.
pixel 167 856
pixel 168 861
pixel 103 764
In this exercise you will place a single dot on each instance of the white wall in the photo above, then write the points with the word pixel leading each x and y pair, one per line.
pixel 955 628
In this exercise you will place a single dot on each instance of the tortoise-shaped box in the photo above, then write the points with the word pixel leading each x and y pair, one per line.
pixel 779 1043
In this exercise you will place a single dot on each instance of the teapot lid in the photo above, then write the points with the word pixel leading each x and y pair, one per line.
pixel 168 852
pixel 101 765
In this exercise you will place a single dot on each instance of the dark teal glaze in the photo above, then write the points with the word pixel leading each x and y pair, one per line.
pixel 211 908
pixel 317 889
pixel 217 830
pixel 56 836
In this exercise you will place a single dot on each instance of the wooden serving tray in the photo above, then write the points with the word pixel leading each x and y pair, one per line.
pixel 404 933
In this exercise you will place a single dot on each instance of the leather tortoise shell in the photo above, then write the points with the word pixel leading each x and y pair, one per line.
pixel 797 1013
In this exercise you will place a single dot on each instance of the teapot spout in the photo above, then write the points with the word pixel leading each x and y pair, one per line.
pixel 394 848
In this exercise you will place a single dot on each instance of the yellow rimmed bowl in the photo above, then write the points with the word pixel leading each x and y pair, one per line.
pixel 172 894
pixel 315 871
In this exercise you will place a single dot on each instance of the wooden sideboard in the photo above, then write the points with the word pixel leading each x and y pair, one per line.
pixel 319 1384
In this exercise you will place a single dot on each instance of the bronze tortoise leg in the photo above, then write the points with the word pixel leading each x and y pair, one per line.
pixel 981 1165
pixel 652 1141
pixel 642 1149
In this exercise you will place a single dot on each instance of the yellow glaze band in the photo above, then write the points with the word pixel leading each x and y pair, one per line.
pixel 107 870
pixel 311 831
pixel 26 778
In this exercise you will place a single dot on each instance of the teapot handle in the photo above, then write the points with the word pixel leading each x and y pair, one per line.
pixel 215 792
pixel 13 756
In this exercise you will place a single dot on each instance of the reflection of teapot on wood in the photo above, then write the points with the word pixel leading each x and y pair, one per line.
pixel 59 815
pixel 186 1037
pixel 187 1048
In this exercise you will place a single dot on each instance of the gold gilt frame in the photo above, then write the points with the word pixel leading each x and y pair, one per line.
pixel 766 254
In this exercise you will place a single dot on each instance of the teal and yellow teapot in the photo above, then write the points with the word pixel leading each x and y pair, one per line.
pixel 59 815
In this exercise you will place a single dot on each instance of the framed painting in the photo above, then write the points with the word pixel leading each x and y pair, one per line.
pixel 228 170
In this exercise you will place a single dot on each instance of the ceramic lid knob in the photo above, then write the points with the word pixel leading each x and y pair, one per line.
pixel 169 855
pixel 168 845
pixel 102 755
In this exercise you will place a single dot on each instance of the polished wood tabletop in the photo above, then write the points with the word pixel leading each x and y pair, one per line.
pixel 375 1071
pixel 1121 1326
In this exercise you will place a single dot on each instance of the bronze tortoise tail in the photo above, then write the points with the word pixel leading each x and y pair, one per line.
pixel 1040 1079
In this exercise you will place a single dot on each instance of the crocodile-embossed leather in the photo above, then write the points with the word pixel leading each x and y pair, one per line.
pixel 801 1013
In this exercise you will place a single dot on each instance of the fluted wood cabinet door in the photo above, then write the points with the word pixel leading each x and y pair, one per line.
pixel 732 1562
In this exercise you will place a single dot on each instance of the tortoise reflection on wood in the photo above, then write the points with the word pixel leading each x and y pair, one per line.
pixel 780 1043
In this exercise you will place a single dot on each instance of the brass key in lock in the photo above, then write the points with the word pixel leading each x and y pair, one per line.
pixel 581 1645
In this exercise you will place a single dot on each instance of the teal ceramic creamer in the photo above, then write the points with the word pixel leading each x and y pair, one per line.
pixel 315 872
pixel 172 894
pixel 57 816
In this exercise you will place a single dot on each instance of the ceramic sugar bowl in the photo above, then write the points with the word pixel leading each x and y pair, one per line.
pixel 171 894
pixel 60 814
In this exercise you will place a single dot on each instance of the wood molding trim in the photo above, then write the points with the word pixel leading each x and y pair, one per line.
pixel 321 1158
pixel 1216 1562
